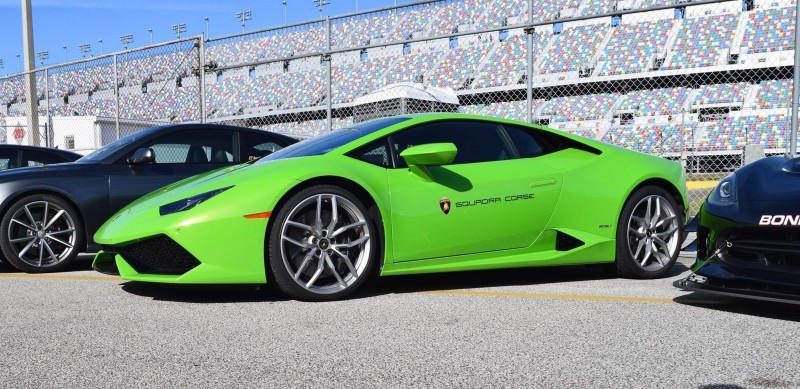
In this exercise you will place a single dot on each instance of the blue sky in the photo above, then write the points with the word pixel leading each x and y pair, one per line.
pixel 73 22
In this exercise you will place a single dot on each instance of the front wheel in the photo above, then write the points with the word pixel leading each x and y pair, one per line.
pixel 40 234
pixel 323 244
pixel 648 234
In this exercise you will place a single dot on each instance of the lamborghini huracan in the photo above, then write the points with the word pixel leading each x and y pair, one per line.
pixel 404 195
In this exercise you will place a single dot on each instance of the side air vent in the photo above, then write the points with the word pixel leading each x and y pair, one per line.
pixel 566 242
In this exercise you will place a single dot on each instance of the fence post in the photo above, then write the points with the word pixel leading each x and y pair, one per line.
pixel 329 81
pixel 795 82
pixel 116 96
pixel 202 79
pixel 529 77
pixel 48 119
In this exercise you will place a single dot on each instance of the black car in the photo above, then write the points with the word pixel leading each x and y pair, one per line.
pixel 14 156
pixel 50 213
pixel 748 239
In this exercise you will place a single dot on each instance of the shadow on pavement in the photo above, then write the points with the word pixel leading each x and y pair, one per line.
pixel 742 306
pixel 378 286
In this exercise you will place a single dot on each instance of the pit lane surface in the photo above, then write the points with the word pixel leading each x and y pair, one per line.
pixel 553 327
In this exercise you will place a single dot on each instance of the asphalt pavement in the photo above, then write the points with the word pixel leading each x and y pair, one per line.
pixel 564 327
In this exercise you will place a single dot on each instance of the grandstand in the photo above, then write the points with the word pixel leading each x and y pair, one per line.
pixel 704 78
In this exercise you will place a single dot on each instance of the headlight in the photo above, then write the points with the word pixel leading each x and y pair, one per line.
pixel 725 192
pixel 189 202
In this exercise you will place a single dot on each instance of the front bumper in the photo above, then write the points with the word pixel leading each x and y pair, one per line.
pixel 714 275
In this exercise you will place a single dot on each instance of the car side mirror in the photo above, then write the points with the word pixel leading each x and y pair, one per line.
pixel 142 156
pixel 420 157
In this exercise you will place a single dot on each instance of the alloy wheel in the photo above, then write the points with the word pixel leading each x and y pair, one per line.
pixel 42 234
pixel 653 233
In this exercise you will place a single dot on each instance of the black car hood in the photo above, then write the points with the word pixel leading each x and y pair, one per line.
pixel 769 179
pixel 57 169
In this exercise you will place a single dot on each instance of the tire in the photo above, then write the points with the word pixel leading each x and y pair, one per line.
pixel 327 260
pixel 41 233
pixel 649 234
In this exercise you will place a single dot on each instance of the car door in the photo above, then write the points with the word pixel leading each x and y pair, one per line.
pixel 487 199
pixel 178 155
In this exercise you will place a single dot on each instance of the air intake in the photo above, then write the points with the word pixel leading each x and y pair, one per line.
pixel 566 242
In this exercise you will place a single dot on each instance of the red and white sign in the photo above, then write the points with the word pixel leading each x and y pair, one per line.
pixel 19 133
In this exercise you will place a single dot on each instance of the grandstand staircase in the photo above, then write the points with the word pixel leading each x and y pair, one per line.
pixel 738 36
pixel 750 96
pixel 608 119
pixel 483 64
pixel 664 53
pixel 592 65
pixel 538 63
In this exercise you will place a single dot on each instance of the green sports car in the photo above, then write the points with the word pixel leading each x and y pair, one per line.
pixel 405 195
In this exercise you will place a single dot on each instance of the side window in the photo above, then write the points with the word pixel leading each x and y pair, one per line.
pixel 254 146
pixel 195 146
pixel 8 159
pixel 38 158
pixel 375 153
pixel 475 141
pixel 525 142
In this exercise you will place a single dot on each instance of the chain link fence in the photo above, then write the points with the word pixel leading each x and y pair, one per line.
pixel 86 104
pixel 692 81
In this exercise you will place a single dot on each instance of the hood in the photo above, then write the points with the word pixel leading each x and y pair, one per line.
pixel 58 169
pixel 769 179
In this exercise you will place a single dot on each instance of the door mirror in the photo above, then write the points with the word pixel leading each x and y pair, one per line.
pixel 420 157
pixel 432 154
pixel 142 156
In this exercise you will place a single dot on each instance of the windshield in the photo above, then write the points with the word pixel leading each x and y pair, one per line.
pixel 103 152
pixel 325 143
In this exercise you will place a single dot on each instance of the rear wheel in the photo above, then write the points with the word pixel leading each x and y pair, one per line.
pixel 41 233
pixel 648 234
pixel 323 244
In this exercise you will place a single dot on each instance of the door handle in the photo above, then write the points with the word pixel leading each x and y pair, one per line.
pixel 545 181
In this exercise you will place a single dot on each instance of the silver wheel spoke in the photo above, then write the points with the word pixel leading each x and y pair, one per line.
pixel 50 250
pixel 306 261
pixel 44 218
pixel 26 248
pixel 30 217
pixel 41 253
pixel 639 248
pixel 23 224
pixel 25 239
pixel 347 227
pixel 648 215
pixel 664 248
pixel 648 251
pixel 667 233
pixel 320 268
pixel 664 221
pixel 353 243
pixel 49 236
pixel 296 243
pixel 334 214
pixel 347 262
pixel 300 225
pixel 636 232
pixel 318 222
pixel 53 220
pixel 640 220
pixel 657 213
pixel 333 269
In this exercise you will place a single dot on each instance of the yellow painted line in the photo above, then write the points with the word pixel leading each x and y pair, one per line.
pixel 692 185
pixel 59 277
pixel 555 296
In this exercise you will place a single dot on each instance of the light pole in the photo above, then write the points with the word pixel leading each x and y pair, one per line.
pixel 284 12
pixel 1 64
pixel 206 20
pixel 65 52
pixel 19 62
pixel 320 4
pixel 243 17
pixel 85 49
pixel 178 29
pixel 42 55
pixel 100 41
pixel 150 30
pixel 126 40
